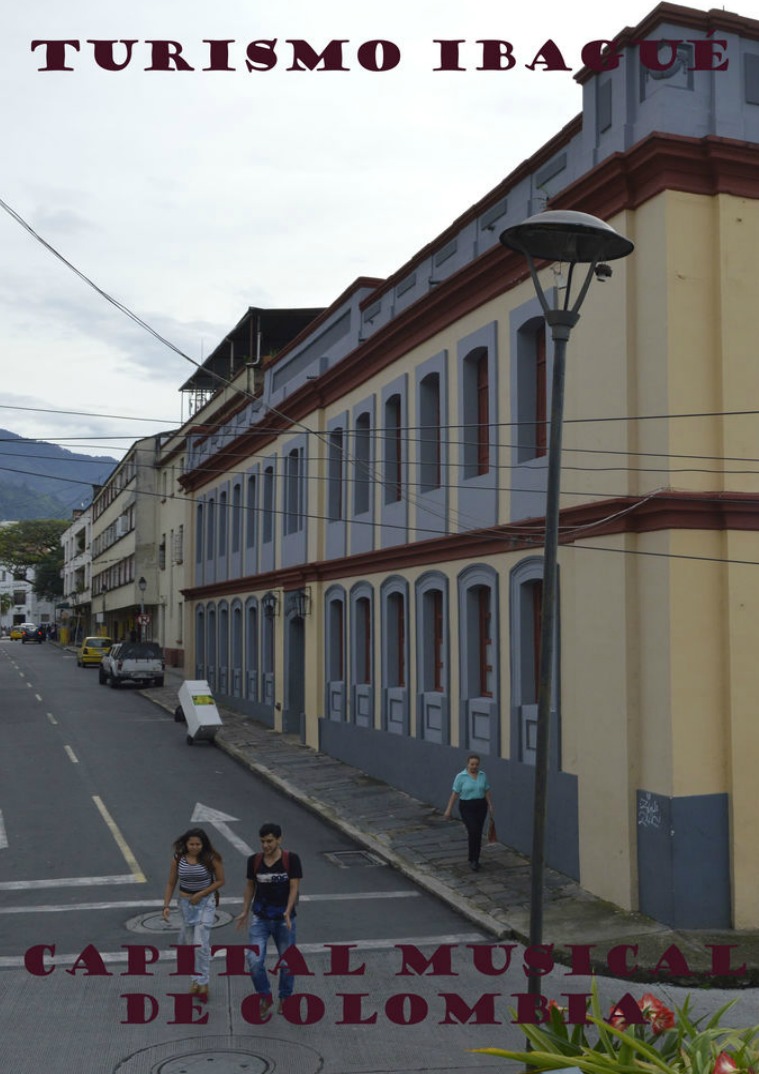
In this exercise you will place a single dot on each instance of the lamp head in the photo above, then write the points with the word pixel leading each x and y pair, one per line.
pixel 564 235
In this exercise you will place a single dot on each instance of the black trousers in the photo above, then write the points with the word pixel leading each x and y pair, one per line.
pixel 473 812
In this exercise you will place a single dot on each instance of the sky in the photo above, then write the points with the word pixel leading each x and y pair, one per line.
pixel 190 195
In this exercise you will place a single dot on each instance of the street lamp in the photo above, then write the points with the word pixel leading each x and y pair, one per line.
pixel 142 585
pixel 574 238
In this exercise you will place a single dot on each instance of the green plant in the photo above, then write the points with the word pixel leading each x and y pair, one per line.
pixel 661 1041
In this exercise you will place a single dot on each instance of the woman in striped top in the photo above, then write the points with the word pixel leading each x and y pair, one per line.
pixel 197 868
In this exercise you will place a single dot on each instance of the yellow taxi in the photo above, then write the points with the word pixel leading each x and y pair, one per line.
pixel 92 651
pixel 17 630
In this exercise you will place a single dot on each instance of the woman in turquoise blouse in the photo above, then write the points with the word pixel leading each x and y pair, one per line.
pixel 472 790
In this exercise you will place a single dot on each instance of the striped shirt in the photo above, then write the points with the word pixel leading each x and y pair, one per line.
pixel 193 878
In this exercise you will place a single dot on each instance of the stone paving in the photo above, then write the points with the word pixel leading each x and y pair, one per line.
pixel 414 837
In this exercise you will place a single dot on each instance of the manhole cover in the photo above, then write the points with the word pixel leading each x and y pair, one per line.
pixel 221 1062
pixel 230 1054
pixel 350 859
pixel 153 922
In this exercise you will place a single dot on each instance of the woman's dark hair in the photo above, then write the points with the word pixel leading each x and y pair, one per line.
pixel 208 854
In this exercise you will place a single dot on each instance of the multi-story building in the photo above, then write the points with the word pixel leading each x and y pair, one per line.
pixel 365 498
pixel 169 628
pixel 124 547
pixel 77 566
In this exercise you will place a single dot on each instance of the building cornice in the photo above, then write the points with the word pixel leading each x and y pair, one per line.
pixel 660 162
pixel 622 515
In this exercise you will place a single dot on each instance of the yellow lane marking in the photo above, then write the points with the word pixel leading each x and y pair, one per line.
pixel 121 842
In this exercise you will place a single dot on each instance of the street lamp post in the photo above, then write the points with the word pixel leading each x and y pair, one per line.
pixel 573 238
pixel 142 585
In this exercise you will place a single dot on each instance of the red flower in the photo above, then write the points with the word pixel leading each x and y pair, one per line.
pixel 659 1015
pixel 724 1064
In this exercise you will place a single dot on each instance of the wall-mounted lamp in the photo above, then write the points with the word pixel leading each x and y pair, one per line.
pixel 299 602
pixel 269 603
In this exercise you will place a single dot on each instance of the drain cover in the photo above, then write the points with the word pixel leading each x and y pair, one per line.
pixel 222 1062
pixel 349 859
pixel 153 922
pixel 231 1054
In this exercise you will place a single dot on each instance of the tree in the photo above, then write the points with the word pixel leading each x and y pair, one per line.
pixel 48 584
pixel 37 544
pixel 27 544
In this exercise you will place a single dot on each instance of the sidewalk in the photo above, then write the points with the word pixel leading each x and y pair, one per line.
pixel 413 837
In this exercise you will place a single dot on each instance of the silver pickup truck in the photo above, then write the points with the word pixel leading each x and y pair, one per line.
pixel 133 661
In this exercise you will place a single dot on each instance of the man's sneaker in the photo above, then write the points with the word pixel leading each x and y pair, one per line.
pixel 266 1005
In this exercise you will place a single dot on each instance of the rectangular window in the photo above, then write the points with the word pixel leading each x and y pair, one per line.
pixel 483 415
pixel 268 523
pixel 362 482
pixel 540 392
pixel 179 545
pixel 236 516
pixel 293 521
pixel 223 507
pixel 335 476
pixel 393 440
pixel 430 447
pixel 250 507
pixel 211 530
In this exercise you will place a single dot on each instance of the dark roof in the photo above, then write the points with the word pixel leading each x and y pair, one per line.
pixel 241 345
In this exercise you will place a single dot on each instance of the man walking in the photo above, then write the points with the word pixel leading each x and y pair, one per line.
pixel 271 890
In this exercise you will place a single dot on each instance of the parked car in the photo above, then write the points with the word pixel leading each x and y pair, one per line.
pixel 133 661
pixel 31 632
pixel 92 650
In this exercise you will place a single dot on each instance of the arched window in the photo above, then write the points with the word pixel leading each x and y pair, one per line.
pixel 395 670
pixel 334 652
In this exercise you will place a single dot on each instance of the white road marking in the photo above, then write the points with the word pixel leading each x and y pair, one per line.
pixel 119 957
pixel 205 814
pixel 148 903
pixel 68 882
pixel 71 755
pixel 38 697
pixel 52 719
pixel 3 833
pixel 121 842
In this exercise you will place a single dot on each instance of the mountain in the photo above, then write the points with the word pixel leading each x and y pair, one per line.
pixel 41 480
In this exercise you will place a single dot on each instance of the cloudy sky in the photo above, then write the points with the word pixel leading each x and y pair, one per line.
pixel 190 195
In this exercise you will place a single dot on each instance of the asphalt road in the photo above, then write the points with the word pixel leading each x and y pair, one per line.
pixel 97 784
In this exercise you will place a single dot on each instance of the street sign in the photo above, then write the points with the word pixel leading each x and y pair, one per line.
pixel 143 620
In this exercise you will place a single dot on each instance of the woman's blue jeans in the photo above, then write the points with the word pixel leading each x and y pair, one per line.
pixel 261 928
pixel 197 922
